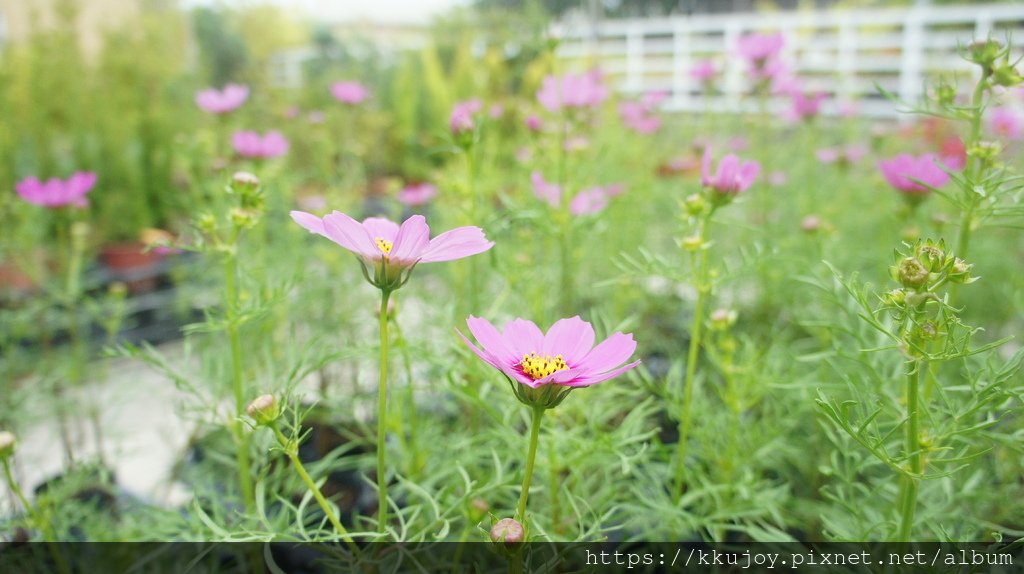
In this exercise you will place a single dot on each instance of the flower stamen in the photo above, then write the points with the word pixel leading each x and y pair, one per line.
pixel 384 245
pixel 539 366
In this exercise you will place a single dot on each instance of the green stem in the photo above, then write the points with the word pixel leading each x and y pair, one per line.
pixel 909 487
pixel 973 166
pixel 382 416
pixel 38 520
pixel 291 449
pixel 531 457
pixel 474 203
pixel 699 264
pixel 237 385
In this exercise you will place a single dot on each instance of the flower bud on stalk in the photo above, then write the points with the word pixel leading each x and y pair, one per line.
pixel 264 410
pixel 911 273
pixel 508 532
pixel 8 442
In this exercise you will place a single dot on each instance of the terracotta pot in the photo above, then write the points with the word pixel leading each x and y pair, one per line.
pixel 129 262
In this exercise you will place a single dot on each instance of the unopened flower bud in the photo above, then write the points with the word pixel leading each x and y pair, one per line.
pixel 243 218
pixel 264 409
pixel 478 508
pixel 896 297
pixel 244 181
pixel 928 330
pixel 911 273
pixel 1007 76
pixel 693 243
pixel 984 52
pixel 117 290
pixel 986 151
pixel 694 204
pixel 507 531
pixel 945 94
pixel 722 319
pixel 206 223
pixel 7 444
pixel 811 223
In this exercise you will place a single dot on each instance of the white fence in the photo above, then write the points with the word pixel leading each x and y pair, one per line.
pixel 842 52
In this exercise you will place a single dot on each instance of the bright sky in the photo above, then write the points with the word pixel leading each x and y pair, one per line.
pixel 382 11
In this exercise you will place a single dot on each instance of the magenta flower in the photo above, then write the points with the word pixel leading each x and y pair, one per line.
pixel 545 190
pixel 222 101
pixel 461 120
pixel 760 47
pixel 704 71
pixel 350 93
pixel 533 123
pixel 1006 123
pixel 639 116
pixel 913 175
pixel 253 145
pixel 589 201
pixel 806 106
pixel 732 177
pixel 416 194
pixel 562 359
pixel 391 249
pixel 56 192
pixel 573 91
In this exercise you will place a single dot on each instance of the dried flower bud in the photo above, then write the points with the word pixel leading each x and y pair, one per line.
pixel 911 273
pixel 264 409
pixel 960 272
pixel 507 531
pixel 7 444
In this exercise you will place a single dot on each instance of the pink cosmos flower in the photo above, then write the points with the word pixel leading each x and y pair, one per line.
pixel 253 145
pixel 703 71
pixel 533 123
pixel 806 106
pixel 777 178
pixel 496 111
pixel 1006 123
pixel 389 248
pixel 953 153
pixel 904 171
pixel 461 120
pixel 416 194
pixel 757 47
pixel 222 101
pixel 545 190
pixel 563 357
pixel 56 192
pixel 572 91
pixel 589 201
pixel 848 155
pixel 639 116
pixel 732 177
pixel 350 93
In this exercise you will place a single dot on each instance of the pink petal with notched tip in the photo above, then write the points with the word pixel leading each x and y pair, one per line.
pixel 351 235
pixel 572 338
pixel 610 353
pixel 592 379
pixel 308 221
pixel 456 244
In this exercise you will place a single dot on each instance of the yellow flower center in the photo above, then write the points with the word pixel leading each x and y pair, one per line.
pixel 540 366
pixel 384 245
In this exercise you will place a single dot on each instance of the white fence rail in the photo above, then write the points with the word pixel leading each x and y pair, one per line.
pixel 842 52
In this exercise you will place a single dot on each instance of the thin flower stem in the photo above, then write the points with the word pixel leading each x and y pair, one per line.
pixel 38 521
pixel 699 264
pixel 538 413
pixel 474 203
pixel 291 450
pixel 240 436
pixel 973 165
pixel 382 416
pixel 909 486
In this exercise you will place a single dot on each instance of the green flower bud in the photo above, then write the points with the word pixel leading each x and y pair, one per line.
pixel 932 256
pixel 478 509
pixel 693 243
pixel 1007 76
pixel 8 442
pixel 206 223
pixel 895 298
pixel 694 204
pixel 264 409
pixel 722 319
pixel 911 273
pixel 243 218
pixel 960 272
pixel 984 52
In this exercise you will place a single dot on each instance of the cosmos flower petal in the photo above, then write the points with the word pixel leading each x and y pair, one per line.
pixel 456 244
pixel 491 340
pixel 350 234
pixel 308 221
pixel 588 380
pixel 572 338
pixel 523 337
pixel 411 241
pixel 609 354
